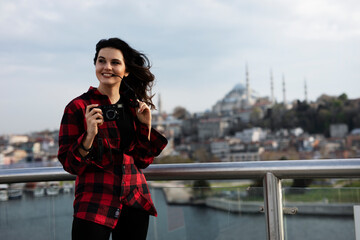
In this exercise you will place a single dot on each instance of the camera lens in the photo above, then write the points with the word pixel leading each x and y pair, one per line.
pixel 111 114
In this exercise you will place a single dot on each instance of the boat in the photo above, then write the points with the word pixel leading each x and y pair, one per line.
pixel 68 187
pixel 52 188
pixel 15 190
pixel 39 190
pixel 36 189
pixel 4 192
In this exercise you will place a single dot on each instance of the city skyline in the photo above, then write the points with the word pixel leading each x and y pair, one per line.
pixel 198 49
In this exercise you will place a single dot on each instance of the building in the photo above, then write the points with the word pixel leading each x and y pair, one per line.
pixel 18 139
pixel 213 128
pixel 236 99
pixel 338 130
pixel 220 148
pixel 233 150
pixel 353 142
pixel 251 135
pixel 240 152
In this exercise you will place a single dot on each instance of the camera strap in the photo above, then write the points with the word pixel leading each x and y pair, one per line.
pixel 100 148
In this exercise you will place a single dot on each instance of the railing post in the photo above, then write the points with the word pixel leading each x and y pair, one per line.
pixel 273 207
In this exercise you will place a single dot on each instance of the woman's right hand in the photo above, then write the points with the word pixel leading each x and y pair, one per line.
pixel 94 118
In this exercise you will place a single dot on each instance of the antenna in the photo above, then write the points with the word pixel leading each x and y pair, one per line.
pixel 306 91
pixel 159 104
pixel 247 85
pixel 272 87
pixel 284 89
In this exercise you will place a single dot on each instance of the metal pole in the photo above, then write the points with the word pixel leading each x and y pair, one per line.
pixel 273 207
pixel 357 221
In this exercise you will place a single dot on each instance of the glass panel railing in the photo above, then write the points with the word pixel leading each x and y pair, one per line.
pixel 40 210
pixel 223 210
pixel 321 212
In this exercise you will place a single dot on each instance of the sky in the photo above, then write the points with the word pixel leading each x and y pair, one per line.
pixel 198 50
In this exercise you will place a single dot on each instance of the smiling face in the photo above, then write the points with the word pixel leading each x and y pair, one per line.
pixel 110 62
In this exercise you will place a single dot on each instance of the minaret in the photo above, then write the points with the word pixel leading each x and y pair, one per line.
pixel 305 89
pixel 159 104
pixel 284 89
pixel 272 87
pixel 158 118
pixel 247 86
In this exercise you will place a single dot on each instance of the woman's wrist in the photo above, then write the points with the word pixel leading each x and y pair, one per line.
pixel 84 148
pixel 86 145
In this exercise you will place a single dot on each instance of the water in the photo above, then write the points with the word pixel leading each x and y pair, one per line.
pixel 50 217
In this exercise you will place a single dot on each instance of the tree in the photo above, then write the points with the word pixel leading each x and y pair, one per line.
pixel 274 117
pixel 343 97
pixel 181 113
pixel 314 118
pixel 201 155
pixel 172 159
pixel 256 115
pixel 201 189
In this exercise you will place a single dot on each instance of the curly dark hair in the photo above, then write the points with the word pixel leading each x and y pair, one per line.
pixel 140 79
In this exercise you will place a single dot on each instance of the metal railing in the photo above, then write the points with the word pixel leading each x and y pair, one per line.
pixel 270 171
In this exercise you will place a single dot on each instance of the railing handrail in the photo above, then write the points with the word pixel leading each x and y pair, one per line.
pixel 333 168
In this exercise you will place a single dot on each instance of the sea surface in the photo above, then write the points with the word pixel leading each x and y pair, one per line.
pixel 50 218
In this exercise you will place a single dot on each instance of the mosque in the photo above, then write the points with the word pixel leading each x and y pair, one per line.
pixel 237 98
pixel 242 98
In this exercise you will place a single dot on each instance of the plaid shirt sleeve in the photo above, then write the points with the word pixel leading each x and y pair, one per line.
pixel 72 131
pixel 145 150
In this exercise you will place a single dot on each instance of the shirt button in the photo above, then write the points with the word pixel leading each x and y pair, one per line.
pixel 117 213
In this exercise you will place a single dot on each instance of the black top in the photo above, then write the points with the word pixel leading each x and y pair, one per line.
pixel 125 125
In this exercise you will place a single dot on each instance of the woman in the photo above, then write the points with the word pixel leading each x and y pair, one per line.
pixel 106 139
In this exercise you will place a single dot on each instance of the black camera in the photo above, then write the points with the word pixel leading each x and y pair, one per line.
pixel 111 112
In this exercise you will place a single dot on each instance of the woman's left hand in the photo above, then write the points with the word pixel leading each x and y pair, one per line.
pixel 143 113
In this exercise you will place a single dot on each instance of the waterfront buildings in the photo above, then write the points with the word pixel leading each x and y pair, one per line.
pixel 229 132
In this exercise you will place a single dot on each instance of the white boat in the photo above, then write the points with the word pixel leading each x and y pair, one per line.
pixel 67 187
pixel 15 190
pixel 4 192
pixel 36 189
pixel 52 188
pixel 39 190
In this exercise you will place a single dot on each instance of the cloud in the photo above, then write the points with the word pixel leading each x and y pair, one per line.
pixel 325 20
pixel 198 48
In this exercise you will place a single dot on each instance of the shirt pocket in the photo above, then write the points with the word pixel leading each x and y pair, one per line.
pixel 137 199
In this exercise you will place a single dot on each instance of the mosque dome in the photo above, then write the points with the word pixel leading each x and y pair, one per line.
pixel 239 87
pixel 236 98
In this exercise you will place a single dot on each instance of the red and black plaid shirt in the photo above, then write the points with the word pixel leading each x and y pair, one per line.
pixel 107 178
